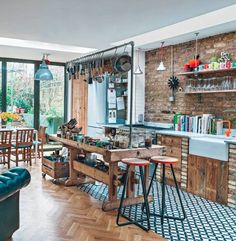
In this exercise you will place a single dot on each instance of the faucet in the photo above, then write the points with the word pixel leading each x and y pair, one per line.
pixel 228 131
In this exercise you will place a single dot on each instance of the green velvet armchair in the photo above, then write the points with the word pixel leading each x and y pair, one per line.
pixel 11 182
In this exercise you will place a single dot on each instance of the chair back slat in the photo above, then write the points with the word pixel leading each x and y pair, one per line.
pixel 42 134
pixel 5 137
pixel 24 136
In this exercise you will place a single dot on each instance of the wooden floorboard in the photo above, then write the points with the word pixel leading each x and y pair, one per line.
pixel 50 212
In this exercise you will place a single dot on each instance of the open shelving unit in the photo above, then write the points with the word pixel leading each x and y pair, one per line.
pixel 210 91
pixel 195 74
pixel 210 71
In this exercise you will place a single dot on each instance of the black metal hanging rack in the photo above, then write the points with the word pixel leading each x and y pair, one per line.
pixel 88 58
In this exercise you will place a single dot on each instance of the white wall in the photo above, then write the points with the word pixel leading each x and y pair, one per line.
pixel 138 88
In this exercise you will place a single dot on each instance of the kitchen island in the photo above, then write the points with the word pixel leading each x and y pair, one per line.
pixel 208 164
pixel 112 177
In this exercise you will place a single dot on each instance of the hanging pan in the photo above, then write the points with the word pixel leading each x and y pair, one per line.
pixel 123 62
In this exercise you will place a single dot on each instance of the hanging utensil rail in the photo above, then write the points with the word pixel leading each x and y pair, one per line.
pixel 90 57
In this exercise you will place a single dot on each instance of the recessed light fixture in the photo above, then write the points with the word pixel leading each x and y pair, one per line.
pixel 43 45
pixel 204 21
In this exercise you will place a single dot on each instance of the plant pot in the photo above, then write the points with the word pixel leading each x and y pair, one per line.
pixel 22 110
pixel 9 125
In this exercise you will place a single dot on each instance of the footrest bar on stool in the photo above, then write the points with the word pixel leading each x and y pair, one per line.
pixel 133 222
pixel 169 217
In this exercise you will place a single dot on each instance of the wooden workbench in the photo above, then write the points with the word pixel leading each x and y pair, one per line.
pixel 112 157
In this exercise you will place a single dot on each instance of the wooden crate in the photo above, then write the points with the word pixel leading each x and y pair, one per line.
pixel 55 169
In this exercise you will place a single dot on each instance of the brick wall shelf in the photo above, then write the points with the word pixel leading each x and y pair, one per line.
pixel 208 71
pixel 210 91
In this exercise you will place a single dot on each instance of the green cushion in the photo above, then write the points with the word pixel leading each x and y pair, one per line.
pixel 3 148
pixel 21 146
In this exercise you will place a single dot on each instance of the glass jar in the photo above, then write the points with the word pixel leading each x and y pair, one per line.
pixel 148 140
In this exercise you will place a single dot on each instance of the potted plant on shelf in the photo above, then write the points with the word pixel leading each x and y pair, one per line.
pixel 54 120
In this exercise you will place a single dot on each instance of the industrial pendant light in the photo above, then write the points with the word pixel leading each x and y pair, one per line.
pixel 138 70
pixel 43 73
pixel 161 66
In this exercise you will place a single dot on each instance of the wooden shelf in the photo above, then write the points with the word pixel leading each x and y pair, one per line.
pixel 210 91
pixel 208 71
pixel 121 83
pixel 91 172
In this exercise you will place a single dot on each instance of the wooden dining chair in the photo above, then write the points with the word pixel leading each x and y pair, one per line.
pixel 41 141
pixel 5 146
pixel 23 146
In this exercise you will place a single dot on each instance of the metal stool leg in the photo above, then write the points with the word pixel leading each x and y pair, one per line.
pixel 177 189
pixel 122 197
pixel 152 178
pixel 163 194
pixel 136 222
pixel 151 182
pixel 145 196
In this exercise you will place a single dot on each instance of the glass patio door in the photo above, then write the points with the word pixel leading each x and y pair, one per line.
pixel 20 91
pixel 52 100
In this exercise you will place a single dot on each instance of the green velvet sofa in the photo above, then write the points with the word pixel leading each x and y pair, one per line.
pixel 11 182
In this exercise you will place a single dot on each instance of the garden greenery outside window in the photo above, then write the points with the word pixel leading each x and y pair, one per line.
pixel 52 100
pixel 20 90
pixel 19 93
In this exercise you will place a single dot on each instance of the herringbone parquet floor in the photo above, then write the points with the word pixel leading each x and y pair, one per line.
pixel 52 212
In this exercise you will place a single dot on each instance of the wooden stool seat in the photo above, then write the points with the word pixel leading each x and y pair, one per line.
pixel 164 159
pixel 135 162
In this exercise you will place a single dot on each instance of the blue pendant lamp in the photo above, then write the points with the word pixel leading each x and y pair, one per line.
pixel 43 73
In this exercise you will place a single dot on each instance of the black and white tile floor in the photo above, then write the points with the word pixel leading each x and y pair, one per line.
pixel 205 220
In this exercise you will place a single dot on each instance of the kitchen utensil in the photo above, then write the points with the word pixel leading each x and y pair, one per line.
pixel 123 63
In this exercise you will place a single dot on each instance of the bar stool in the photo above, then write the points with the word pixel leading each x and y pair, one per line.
pixel 141 164
pixel 165 160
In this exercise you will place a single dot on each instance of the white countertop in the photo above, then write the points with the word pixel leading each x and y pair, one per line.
pixel 197 135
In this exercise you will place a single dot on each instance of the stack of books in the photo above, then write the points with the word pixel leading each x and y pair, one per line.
pixel 203 124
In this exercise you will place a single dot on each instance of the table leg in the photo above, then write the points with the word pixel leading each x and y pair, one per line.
pixel 113 174
pixel 72 180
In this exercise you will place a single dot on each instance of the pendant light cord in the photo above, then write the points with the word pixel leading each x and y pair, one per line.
pixel 196 49
pixel 172 60
pixel 162 44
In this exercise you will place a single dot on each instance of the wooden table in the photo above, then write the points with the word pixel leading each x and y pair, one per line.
pixel 112 157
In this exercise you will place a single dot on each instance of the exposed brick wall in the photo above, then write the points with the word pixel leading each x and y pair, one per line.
pixel 157 106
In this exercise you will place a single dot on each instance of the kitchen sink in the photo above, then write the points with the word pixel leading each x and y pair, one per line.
pixel 211 147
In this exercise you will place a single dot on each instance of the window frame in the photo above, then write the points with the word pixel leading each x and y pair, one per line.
pixel 36 86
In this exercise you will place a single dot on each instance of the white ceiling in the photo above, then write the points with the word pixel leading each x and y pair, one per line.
pixel 91 23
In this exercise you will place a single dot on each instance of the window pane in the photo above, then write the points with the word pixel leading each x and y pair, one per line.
pixel 20 90
pixel 52 100
pixel 0 86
